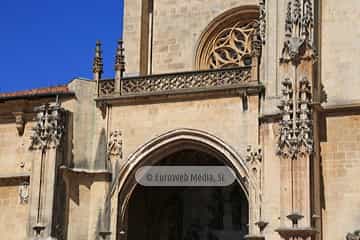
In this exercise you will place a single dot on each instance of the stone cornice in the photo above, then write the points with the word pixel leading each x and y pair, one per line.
pixel 36 96
pixel 184 95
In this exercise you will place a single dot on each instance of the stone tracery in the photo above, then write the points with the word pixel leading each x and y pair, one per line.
pixel 233 46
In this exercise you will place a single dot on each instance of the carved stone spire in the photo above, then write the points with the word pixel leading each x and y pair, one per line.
pixel 288 21
pixel 299 24
pixel 119 65
pixel 296 124
pixel 98 62
pixel 308 19
pixel 295 142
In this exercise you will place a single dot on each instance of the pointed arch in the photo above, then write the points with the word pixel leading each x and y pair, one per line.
pixel 167 144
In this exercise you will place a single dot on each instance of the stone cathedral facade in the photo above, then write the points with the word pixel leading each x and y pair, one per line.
pixel 267 88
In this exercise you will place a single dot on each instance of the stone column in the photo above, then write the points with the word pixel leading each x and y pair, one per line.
pixel 46 139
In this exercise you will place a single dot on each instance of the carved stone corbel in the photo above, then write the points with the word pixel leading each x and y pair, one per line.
pixel 244 99
pixel 20 122
pixel 103 108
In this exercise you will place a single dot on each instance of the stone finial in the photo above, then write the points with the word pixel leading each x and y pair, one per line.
pixel 120 57
pixel 98 62
pixel 119 65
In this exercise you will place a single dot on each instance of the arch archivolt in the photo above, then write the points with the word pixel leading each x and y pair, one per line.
pixel 165 145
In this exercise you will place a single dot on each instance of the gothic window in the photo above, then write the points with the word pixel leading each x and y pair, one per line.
pixel 230 40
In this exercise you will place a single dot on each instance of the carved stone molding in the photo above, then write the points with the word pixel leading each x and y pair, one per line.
pixel 49 127
pixel 24 193
pixel 296 135
pixel 106 87
pixel 262 20
pixel 253 157
pixel 115 145
pixel 166 83
pixel 254 163
pixel 296 124
pixel 299 26
pixel 20 122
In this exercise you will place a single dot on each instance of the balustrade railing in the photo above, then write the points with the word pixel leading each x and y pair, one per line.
pixel 173 82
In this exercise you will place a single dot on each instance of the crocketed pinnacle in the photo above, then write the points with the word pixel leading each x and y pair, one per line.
pixel 98 61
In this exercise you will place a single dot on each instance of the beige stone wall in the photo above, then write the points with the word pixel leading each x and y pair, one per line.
pixel 85 203
pixel 14 216
pixel 15 158
pixel 79 199
pixel 340 50
pixel 131 35
pixel 86 134
pixel 222 117
pixel 273 190
pixel 177 28
pixel 341 167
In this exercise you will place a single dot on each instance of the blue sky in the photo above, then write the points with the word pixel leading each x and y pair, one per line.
pixel 49 42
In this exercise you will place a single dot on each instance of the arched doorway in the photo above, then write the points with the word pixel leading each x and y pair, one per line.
pixel 188 213
pixel 156 152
